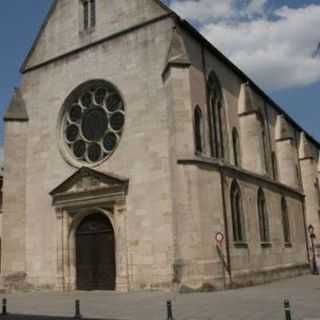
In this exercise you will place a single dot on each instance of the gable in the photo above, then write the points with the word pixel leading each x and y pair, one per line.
pixel 86 179
pixel 61 32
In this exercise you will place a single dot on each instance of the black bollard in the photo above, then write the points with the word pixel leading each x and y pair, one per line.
pixel 287 309
pixel 77 313
pixel 4 306
pixel 169 311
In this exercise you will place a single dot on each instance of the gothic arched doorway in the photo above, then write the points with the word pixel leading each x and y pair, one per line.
pixel 95 254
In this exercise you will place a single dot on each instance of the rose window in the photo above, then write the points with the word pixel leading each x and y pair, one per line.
pixel 93 121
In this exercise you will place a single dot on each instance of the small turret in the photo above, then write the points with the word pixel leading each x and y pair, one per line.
pixel 14 194
pixel 16 110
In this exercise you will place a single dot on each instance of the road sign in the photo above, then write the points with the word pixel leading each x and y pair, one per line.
pixel 219 237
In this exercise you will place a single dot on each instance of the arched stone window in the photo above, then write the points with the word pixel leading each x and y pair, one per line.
pixel 198 130
pixel 275 171
pixel 263 218
pixel 236 147
pixel 217 116
pixel 237 213
pixel 285 221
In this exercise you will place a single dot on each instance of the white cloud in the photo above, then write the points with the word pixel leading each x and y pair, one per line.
pixel 204 10
pixel 274 48
pixel 255 7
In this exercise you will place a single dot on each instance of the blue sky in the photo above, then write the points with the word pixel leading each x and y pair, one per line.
pixel 271 40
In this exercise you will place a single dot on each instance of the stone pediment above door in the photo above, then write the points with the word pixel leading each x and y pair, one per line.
pixel 88 186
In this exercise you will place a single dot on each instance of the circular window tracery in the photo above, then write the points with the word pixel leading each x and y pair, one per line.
pixel 92 122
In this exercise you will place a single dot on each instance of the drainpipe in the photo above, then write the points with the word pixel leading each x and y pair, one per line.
pixel 209 116
pixel 305 230
pixel 226 226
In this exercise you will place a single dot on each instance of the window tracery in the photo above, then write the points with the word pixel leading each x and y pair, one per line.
pixel 263 143
pixel 217 116
pixel 198 129
pixel 88 14
pixel 237 214
pixel 92 122
pixel 285 221
pixel 275 170
pixel 263 218
pixel 236 147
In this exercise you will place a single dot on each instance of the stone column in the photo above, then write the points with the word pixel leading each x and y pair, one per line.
pixel 309 177
pixel 252 150
pixel 122 276
pixel 185 212
pixel 286 153
pixel 14 192
pixel 318 211
pixel 63 251
pixel 60 267
pixel 66 251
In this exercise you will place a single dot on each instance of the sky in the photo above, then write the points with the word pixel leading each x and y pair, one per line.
pixel 273 41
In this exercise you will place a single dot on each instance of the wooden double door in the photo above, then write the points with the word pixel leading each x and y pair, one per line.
pixel 95 254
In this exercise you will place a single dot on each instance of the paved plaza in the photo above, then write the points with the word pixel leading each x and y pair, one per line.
pixel 255 303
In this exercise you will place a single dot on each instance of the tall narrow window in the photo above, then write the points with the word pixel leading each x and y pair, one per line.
pixel 237 214
pixel 198 130
pixel 285 221
pixel 298 176
pixel 236 147
pixel 263 218
pixel 1 194
pixel 92 13
pixel 85 15
pixel 89 14
pixel 263 143
pixel 217 116
pixel 275 171
pixel 317 186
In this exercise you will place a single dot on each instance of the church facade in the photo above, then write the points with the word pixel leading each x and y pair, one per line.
pixel 137 156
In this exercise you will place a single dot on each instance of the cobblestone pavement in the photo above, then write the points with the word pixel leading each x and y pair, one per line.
pixel 255 303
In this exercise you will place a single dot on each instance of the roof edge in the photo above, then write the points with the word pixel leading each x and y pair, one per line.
pixel 45 22
pixel 188 27
pixel 35 41
pixel 163 6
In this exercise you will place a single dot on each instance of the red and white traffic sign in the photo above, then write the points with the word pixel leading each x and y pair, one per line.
pixel 219 237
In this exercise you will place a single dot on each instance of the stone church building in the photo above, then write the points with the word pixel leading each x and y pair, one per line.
pixel 137 156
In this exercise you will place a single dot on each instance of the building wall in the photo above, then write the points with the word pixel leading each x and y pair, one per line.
pixel 252 263
pixel 142 155
pixel 177 200
pixel 63 31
